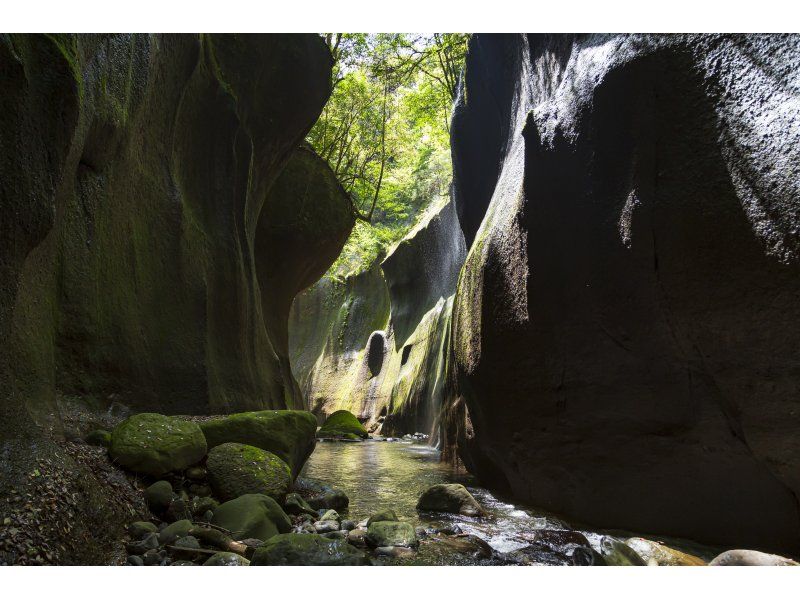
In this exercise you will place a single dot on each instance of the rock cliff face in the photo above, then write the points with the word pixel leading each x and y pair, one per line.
pixel 376 342
pixel 625 340
pixel 157 220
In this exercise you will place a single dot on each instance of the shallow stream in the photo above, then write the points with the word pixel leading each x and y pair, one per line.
pixel 378 475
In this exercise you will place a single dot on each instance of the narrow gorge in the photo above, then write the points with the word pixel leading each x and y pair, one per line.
pixel 548 317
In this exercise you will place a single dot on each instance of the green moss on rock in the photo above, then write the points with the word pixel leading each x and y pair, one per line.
pixel 342 423
pixel 236 469
pixel 449 498
pixel 391 533
pixel 286 433
pixel 154 444
pixel 252 516
pixel 307 549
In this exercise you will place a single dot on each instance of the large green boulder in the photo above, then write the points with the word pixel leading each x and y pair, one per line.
pixel 226 559
pixel 449 498
pixel 235 469
pixel 288 434
pixel 154 444
pixel 391 533
pixel 342 424
pixel 252 516
pixel 307 549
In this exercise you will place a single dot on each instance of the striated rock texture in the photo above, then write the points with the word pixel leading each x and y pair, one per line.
pixel 151 239
pixel 626 348
pixel 375 343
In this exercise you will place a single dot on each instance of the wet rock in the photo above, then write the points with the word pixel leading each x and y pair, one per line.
pixel 307 549
pixel 357 537
pixel 391 533
pixel 586 556
pixel 295 505
pixel 659 554
pixel 99 438
pixel 335 535
pixel 322 527
pixel 159 496
pixel 536 554
pixel 141 546
pixel 616 553
pixel 155 444
pixel 139 529
pixel 465 544
pixel 287 434
pixel 151 557
pixel 347 525
pixel 330 515
pixel 750 558
pixel 135 561
pixel 344 424
pixel 226 559
pixel 388 515
pixel 320 496
pixel 557 540
pixel 174 531
pixel 306 528
pixel 238 469
pixel 252 516
pixel 182 563
pixel 449 498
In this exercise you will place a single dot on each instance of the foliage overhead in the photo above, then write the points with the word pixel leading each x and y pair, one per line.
pixel 385 131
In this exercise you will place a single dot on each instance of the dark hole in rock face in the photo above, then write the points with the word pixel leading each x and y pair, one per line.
pixel 376 348
pixel 406 353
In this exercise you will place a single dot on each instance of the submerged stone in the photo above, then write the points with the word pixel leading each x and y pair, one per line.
pixel 155 444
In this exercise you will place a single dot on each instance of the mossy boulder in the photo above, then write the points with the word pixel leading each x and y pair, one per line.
pixel 235 469
pixel 307 549
pixel 387 515
pixel 139 529
pixel 449 498
pixel 287 434
pixel 343 424
pixel 154 444
pixel 252 516
pixel 391 533
pixel 174 531
pixel 159 496
pixel 226 559
pixel 321 496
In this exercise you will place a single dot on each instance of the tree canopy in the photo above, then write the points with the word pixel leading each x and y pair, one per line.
pixel 385 131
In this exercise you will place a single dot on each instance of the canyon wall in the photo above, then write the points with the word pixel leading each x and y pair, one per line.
pixel 157 220
pixel 625 339
pixel 375 342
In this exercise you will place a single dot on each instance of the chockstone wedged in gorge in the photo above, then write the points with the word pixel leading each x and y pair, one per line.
pixel 154 444
pixel 342 424
pixel 289 434
pixel 236 469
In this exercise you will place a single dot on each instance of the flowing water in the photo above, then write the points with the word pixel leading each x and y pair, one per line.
pixel 378 475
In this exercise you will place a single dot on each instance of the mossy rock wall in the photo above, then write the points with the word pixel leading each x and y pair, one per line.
pixel 374 343
pixel 138 212
pixel 625 340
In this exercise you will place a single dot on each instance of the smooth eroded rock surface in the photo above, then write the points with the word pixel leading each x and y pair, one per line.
pixel 252 516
